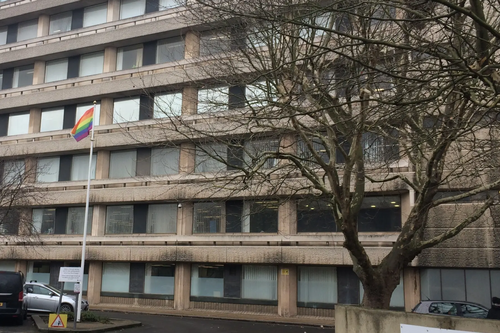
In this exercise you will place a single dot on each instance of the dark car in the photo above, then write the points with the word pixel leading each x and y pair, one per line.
pixel 11 296
pixel 452 308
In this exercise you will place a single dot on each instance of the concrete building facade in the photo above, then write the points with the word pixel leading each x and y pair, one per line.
pixel 153 240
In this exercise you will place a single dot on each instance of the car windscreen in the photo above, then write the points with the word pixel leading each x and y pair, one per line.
pixel 54 290
pixel 10 283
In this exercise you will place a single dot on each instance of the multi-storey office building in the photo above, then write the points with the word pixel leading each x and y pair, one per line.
pixel 152 239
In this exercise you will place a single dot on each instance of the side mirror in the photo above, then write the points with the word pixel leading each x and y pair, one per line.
pixel 52 294
pixel 29 290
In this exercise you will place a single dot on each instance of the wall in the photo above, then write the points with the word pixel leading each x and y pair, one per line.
pixel 350 319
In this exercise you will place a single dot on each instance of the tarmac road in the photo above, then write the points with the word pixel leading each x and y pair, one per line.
pixel 171 324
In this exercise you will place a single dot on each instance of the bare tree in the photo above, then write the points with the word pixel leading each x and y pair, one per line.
pixel 339 98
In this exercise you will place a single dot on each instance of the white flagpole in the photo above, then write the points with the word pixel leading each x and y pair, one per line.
pixel 79 304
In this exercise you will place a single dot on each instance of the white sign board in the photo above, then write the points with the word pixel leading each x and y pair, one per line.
pixel 70 274
pixel 76 288
pixel 422 329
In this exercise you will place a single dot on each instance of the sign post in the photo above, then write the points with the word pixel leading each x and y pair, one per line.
pixel 70 274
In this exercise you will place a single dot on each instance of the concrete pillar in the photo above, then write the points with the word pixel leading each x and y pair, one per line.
pixel 113 10
pixel 102 165
pixel 189 101
pixel 25 222
pixel 109 60
pixel 95 281
pixel 406 207
pixel 287 217
pixel 182 290
pixel 411 286
pixel 287 290
pixel 98 220
pixel 43 25
pixel 106 116
pixel 187 158
pixel 22 266
pixel 185 219
pixel 35 120
pixel 30 169
pixel 39 72
pixel 192 45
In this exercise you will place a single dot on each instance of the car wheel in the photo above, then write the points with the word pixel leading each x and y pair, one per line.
pixel 65 307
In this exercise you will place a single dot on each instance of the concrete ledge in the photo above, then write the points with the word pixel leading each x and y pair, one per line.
pixel 116 324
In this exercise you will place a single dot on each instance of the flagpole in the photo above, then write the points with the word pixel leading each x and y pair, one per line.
pixel 84 243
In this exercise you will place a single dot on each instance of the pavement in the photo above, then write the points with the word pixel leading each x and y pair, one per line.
pixel 119 324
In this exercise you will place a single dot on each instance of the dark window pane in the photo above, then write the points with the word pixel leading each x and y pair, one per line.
pixel 263 216
pixel 348 286
pixel 314 215
pixel 380 214
pixel 215 272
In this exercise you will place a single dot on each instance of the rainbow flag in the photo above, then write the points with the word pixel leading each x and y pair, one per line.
pixel 84 125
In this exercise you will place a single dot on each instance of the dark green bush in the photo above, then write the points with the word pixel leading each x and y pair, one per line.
pixel 88 316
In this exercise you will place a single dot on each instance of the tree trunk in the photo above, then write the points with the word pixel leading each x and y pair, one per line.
pixel 378 289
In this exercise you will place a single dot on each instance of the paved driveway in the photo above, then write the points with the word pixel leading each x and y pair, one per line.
pixel 9 326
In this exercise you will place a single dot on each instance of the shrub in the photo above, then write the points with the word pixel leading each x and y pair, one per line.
pixel 88 316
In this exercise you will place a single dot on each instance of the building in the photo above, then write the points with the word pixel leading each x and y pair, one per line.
pixel 152 240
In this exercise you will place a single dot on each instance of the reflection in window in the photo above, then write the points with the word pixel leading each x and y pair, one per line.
pixel 47 170
pixel 13 172
pixel 94 15
pixel 23 76
pixel 164 161
pixel 19 123
pixel 60 23
pixel 162 219
pixel 166 4
pixel 167 105
pixel 52 119
pixel 214 42
pixel 27 30
pixel 44 220
pixel 213 99
pixel 131 8
pixel 56 70
pixel 119 219
pixel 76 220
pixel 122 164
pixel 129 57
pixel 80 167
pixel 126 110
pixel 208 158
pixel 169 50
pixel 91 64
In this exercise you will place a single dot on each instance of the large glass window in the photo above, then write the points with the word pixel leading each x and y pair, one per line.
pixel 125 110
pixel 317 285
pixel 257 150
pixel 314 215
pixel 167 105
pixel 92 63
pixel 207 280
pixel 52 119
pixel 164 161
pixel 119 219
pixel 44 220
pixel 19 123
pixel 39 271
pixel 56 70
pixel 209 158
pixel 131 8
pixel 8 265
pixel 382 213
pixel 27 30
pixel 76 221
pixel 122 164
pixel 252 216
pixel 129 57
pixel 94 15
pixel 214 42
pixel 13 172
pixel 259 282
pixel 47 170
pixel 207 217
pixel 162 218
pixel 166 4
pixel 23 76
pixel 115 277
pixel 170 49
pixel 159 279
pixel 60 23
pixel 3 35
pixel 80 167
pixel 82 108
pixel 213 99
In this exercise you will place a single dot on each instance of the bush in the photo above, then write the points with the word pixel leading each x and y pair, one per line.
pixel 87 316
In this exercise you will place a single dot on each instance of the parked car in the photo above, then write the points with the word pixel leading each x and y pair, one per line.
pixel 11 296
pixel 42 297
pixel 452 308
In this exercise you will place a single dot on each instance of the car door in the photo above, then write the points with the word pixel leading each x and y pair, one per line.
pixel 443 308
pixel 43 299
pixel 472 311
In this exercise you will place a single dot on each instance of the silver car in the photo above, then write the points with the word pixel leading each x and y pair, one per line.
pixel 452 308
pixel 45 298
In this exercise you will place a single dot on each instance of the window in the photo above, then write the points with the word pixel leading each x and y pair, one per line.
pixel 23 76
pixel 131 8
pixel 119 219
pixel 115 277
pixel 44 220
pixel 3 35
pixel 164 161
pixel 8 265
pixel 167 105
pixel 13 172
pixel 80 167
pixel 10 221
pixel 314 215
pixel 207 280
pixel 48 169
pixel 256 150
pixel 378 149
pixel 60 23
pixel 56 70
pixel 92 63
pixel 213 99
pixel 207 217
pixel 52 119
pixel 259 94
pixel 19 123
pixel 76 220
pixel 252 216
pixel 126 110
pixel 169 50
pixel 214 42
pixel 129 57
pixel 316 286
pixel 82 108
pixel 380 214
pixel 208 158
pixel 162 219
pixel 259 282
pixel 122 164
pixel 39 271
pixel 94 15
pixel 166 4
pixel 27 30
pixel 159 279
pixel 318 148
